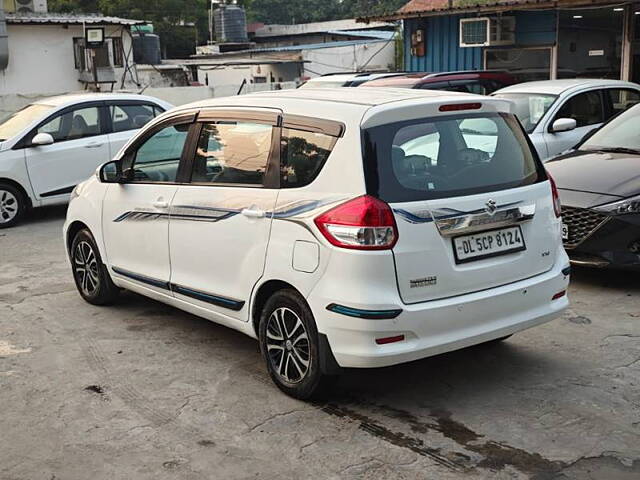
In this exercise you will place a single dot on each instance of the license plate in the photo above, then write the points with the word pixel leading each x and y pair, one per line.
pixel 468 248
pixel 565 231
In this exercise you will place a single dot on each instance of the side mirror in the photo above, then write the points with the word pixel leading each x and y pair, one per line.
pixel 41 139
pixel 563 125
pixel 111 172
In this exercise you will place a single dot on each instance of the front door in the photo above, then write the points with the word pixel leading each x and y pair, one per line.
pixel 220 222
pixel 80 147
pixel 587 110
pixel 135 219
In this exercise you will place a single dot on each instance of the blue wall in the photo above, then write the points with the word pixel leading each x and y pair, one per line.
pixel 443 52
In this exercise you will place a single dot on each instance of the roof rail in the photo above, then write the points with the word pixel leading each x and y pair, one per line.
pixel 355 73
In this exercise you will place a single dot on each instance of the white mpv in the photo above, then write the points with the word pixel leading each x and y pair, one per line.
pixel 341 227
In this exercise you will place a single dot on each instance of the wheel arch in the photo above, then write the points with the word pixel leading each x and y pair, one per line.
pixel 18 186
pixel 73 230
pixel 262 295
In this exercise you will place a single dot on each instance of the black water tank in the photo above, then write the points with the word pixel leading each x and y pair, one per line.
pixel 146 49
pixel 230 24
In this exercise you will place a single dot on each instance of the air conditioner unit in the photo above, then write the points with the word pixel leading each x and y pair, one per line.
pixel 486 31
pixel 31 6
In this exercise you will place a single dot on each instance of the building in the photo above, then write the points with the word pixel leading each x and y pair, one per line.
pixel 47 54
pixel 293 53
pixel 533 39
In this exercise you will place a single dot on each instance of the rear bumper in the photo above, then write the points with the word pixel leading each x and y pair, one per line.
pixel 440 326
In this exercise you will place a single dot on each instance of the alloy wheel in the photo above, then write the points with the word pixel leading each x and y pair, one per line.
pixel 8 206
pixel 288 345
pixel 85 266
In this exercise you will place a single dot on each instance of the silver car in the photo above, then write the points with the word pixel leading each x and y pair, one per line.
pixel 557 114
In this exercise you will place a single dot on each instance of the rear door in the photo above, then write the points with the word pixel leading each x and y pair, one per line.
pixel 471 203
pixel 80 146
pixel 221 220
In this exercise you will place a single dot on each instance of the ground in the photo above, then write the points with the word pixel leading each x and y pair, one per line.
pixel 143 391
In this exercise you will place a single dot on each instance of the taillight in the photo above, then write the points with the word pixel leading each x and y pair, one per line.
pixel 364 223
pixel 557 206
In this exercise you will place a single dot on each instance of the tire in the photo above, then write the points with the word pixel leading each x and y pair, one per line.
pixel 289 338
pixel 13 205
pixel 89 273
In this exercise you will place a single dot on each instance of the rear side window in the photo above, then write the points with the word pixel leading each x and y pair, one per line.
pixel 448 157
pixel 622 99
pixel 232 153
pixel 302 156
pixel 584 108
pixel 131 117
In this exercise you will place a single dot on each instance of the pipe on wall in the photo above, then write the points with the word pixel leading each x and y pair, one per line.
pixel 4 40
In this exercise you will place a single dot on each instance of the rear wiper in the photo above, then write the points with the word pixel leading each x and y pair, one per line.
pixel 630 151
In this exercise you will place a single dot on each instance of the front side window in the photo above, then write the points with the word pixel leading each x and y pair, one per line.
pixel 584 108
pixel 302 156
pixel 74 124
pixel 448 157
pixel 131 117
pixel 232 152
pixel 529 107
pixel 158 158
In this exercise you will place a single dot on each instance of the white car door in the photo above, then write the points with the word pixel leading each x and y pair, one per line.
pixel 126 117
pixel 80 146
pixel 135 214
pixel 587 109
pixel 220 223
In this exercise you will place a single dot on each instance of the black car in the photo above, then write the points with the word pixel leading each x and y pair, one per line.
pixel 599 186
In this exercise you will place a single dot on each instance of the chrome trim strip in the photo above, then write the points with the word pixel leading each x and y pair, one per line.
pixel 476 222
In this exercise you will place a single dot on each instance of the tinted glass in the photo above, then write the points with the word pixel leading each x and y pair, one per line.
pixel 131 117
pixel 622 131
pixel 302 156
pixel 81 123
pixel 584 108
pixel 232 152
pixel 529 107
pixel 158 158
pixel 447 157
pixel 622 99
pixel 16 122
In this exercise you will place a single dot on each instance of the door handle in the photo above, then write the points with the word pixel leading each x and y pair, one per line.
pixel 253 213
pixel 161 204
pixel 93 145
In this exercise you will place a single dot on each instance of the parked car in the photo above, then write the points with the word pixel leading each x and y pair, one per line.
pixel 599 186
pixel 312 221
pixel 50 146
pixel 557 114
pixel 482 82
pixel 333 80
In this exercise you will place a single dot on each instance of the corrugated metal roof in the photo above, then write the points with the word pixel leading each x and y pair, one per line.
pixel 316 46
pixel 379 34
pixel 67 19
pixel 425 8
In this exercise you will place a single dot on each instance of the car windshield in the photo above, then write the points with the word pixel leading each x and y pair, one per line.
pixel 14 123
pixel 447 157
pixel 621 132
pixel 530 107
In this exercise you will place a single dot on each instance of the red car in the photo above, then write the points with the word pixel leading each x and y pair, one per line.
pixel 482 82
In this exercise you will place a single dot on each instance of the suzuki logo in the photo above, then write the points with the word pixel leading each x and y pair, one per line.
pixel 491 206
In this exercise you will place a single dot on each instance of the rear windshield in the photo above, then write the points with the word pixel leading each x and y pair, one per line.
pixel 448 157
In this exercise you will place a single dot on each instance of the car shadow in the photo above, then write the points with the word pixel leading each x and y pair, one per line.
pixel 44 214
pixel 605 278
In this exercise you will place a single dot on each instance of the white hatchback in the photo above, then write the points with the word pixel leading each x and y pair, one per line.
pixel 341 227
pixel 557 114
pixel 50 146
